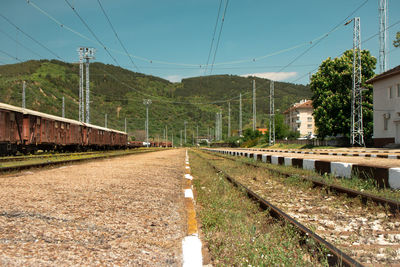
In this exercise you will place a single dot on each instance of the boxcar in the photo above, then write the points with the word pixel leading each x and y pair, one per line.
pixel 26 130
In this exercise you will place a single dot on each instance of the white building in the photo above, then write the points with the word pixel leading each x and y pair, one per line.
pixel 386 107
pixel 300 118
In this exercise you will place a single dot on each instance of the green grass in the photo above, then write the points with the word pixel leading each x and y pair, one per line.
pixel 237 232
pixel 364 185
pixel 77 156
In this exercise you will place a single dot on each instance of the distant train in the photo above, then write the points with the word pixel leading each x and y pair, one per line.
pixel 27 131
pixel 137 144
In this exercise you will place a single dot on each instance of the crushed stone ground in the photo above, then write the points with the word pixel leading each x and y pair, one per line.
pixel 125 211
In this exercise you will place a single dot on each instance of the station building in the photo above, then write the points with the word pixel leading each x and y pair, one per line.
pixel 386 97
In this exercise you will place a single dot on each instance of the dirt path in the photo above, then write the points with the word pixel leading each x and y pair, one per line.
pixel 121 211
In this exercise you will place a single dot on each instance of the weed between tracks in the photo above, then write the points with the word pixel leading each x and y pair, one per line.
pixel 237 232
pixel 364 185
pixel 76 156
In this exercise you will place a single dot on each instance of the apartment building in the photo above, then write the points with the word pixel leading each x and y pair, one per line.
pixel 300 118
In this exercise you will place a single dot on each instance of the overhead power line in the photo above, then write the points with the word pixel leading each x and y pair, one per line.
pixel 340 24
pixel 219 35
pixel 11 56
pixel 249 60
pixel 90 30
pixel 116 35
pixel 154 98
pixel 340 54
pixel 213 36
pixel 16 41
pixel 30 37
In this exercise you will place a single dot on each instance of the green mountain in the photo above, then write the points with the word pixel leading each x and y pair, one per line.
pixel 119 93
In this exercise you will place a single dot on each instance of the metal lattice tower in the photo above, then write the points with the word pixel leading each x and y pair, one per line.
pixel 271 114
pixel 216 126
pixel 357 135
pixel 63 108
pixel 86 53
pixel 81 98
pixel 147 102
pixel 382 35
pixel 240 115
pixel 254 105
pixel 220 125
pixel 23 93
pixel 185 122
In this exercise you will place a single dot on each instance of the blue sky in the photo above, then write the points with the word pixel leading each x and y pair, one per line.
pixel 171 39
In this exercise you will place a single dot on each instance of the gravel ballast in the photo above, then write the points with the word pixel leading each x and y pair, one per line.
pixel 120 211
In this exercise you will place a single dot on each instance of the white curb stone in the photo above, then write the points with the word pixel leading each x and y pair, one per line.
pixel 394 178
pixel 188 193
pixel 309 164
pixel 341 169
pixel 274 160
pixel 191 250
pixel 188 176
pixel 288 161
pixel 264 158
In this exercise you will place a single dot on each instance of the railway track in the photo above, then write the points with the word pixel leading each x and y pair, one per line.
pixel 366 234
pixel 59 159
pixel 392 205
pixel 42 156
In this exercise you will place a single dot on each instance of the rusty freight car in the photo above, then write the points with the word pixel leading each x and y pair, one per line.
pixel 27 130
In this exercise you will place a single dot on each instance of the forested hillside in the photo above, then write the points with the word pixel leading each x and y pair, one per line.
pixel 120 93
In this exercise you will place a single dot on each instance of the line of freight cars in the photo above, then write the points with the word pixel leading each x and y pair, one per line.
pixel 137 144
pixel 27 131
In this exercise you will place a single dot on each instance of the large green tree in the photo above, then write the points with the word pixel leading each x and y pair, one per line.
pixel 331 87
pixel 396 42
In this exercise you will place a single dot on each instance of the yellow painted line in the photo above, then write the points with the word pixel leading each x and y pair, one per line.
pixel 191 244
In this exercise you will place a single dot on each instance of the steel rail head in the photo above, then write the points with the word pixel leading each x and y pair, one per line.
pixel 338 257
pixel 394 206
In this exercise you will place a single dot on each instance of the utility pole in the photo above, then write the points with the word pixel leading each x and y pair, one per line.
pixel 240 115
pixel 125 126
pixel 216 126
pixel 63 108
pixel 166 133
pixel 81 98
pixel 229 119
pixel 185 122
pixel 220 125
pixel 105 120
pixel 147 102
pixel 357 135
pixel 382 35
pixel 193 138
pixel 181 138
pixel 197 134
pixel 271 129
pixel 172 139
pixel 23 93
pixel 254 105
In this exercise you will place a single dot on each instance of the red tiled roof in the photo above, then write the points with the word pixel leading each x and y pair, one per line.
pixel 263 130
pixel 307 104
